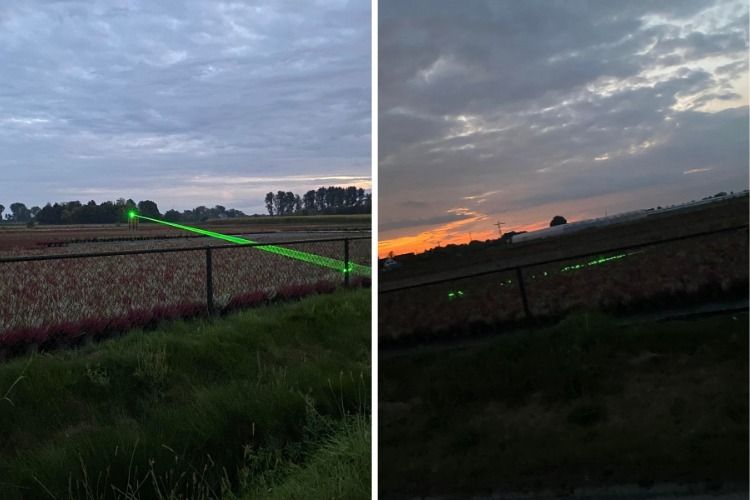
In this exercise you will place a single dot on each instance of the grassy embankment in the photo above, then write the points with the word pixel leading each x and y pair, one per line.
pixel 263 403
pixel 584 403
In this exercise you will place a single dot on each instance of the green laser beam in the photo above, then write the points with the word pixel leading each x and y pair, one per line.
pixel 286 252
pixel 599 261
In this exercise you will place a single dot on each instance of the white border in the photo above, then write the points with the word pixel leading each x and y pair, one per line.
pixel 374 256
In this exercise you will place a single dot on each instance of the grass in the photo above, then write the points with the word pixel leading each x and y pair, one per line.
pixel 338 469
pixel 187 410
pixel 583 403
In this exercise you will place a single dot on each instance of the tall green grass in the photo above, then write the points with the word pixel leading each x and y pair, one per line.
pixel 338 469
pixel 183 411
pixel 583 403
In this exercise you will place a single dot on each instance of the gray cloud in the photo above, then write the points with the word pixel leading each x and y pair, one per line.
pixel 439 219
pixel 98 95
pixel 553 102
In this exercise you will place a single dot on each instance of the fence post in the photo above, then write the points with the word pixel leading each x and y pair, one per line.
pixel 209 282
pixel 522 289
pixel 346 262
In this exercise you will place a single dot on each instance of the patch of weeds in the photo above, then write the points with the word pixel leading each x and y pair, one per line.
pixel 97 375
pixel 6 397
pixel 152 367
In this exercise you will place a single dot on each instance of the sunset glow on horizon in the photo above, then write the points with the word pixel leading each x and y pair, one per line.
pixel 452 233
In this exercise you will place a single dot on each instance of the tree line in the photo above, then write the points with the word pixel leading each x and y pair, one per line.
pixel 75 212
pixel 324 200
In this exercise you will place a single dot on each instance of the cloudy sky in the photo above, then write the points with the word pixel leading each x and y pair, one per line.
pixel 518 111
pixel 182 102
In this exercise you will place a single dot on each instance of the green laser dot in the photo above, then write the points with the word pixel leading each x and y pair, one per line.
pixel 131 215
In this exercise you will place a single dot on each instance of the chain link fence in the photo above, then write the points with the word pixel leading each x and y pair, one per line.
pixel 67 295
pixel 701 268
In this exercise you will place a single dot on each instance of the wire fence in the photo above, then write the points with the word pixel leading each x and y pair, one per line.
pixel 113 290
pixel 706 266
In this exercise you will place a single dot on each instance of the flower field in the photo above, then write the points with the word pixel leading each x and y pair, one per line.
pixel 709 268
pixel 54 303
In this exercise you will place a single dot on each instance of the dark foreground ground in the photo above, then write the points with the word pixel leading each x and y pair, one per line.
pixel 577 407
pixel 267 403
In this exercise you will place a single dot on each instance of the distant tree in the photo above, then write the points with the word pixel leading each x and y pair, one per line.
pixel 557 220
pixel 297 204
pixel 231 213
pixel 269 203
pixel 86 214
pixel 351 197
pixel 200 213
pixel 278 203
pixel 108 213
pixel 320 199
pixel 69 211
pixel 2 208
pixel 20 212
pixel 172 216
pixel 50 214
pixel 148 208
pixel 34 211
pixel 289 201
pixel 308 199
pixel 330 199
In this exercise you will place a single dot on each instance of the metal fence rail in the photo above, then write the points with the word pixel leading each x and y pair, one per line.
pixel 486 283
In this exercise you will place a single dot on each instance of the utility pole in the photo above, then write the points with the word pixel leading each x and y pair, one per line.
pixel 499 229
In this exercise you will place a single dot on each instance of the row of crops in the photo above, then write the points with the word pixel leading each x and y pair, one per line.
pixel 54 303
pixel 707 268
